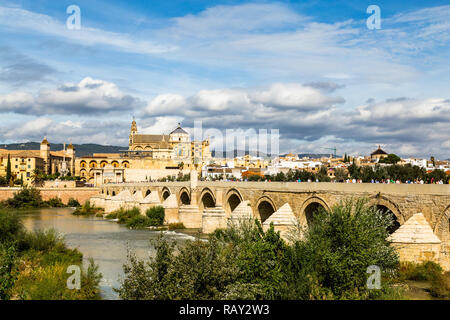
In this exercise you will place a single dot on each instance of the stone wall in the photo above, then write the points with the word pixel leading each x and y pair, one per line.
pixel 80 194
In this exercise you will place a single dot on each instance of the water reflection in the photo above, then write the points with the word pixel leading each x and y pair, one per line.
pixel 103 240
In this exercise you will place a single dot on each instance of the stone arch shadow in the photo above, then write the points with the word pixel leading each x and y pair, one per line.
pixel 206 199
pixel 232 199
pixel 442 227
pixel 309 208
pixel 264 208
pixel 164 194
pixel 386 205
pixel 184 197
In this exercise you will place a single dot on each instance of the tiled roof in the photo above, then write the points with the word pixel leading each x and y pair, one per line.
pixel 150 138
pixel 179 130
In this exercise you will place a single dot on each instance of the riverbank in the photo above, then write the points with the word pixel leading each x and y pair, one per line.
pixel 36 264
pixel 107 242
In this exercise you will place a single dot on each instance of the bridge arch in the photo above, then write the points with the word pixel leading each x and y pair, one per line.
pixel 147 192
pixel 233 199
pixel 442 228
pixel 207 199
pixel 165 193
pixel 265 207
pixel 185 197
pixel 310 207
pixel 383 203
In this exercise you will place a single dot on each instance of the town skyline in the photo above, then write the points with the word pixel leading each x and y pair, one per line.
pixel 325 80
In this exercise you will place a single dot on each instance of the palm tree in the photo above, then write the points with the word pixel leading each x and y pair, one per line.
pixel 37 177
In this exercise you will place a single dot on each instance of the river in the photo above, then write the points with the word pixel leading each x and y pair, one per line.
pixel 104 240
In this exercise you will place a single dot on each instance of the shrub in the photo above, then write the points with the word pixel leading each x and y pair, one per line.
pixel 7 270
pixel 55 203
pixel 112 215
pixel 25 198
pixel 50 283
pixel 176 226
pixel 425 271
pixel 339 246
pixel 156 215
pixel 10 226
pixel 327 261
pixel 125 215
pixel 86 209
pixel 138 222
pixel 73 203
pixel 41 240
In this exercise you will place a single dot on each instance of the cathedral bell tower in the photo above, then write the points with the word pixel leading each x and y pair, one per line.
pixel 133 131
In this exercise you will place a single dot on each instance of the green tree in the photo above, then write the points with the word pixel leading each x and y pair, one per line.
pixel 391 158
pixel 8 170
pixel 338 248
pixel 340 174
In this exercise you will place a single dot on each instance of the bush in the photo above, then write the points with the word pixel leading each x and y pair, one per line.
pixel 44 258
pixel 7 270
pixel 176 226
pixel 86 209
pixel 50 283
pixel 426 271
pixel 138 222
pixel 339 246
pixel 10 226
pixel 25 198
pixel 156 215
pixel 41 240
pixel 327 261
pixel 112 215
pixel 125 215
pixel 73 203
pixel 55 203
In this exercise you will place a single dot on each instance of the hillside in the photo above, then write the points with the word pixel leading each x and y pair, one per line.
pixel 80 149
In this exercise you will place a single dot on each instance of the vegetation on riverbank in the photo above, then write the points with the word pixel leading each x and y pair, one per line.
pixel 329 260
pixel 30 198
pixel 435 280
pixel 133 219
pixel 33 265
pixel 87 210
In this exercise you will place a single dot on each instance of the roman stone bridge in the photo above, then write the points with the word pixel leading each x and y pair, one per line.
pixel 211 205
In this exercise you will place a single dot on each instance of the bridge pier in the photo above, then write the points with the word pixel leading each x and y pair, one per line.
pixel 213 218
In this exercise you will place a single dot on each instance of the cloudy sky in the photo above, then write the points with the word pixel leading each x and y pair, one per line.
pixel 312 69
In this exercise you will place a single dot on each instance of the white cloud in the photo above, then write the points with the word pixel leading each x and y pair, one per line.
pixel 86 97
pixel 248 101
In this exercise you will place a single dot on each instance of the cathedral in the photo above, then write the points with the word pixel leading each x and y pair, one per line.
pixel 149 156
pixel 176 145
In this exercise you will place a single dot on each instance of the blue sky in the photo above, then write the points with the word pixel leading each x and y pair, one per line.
pixel 311 69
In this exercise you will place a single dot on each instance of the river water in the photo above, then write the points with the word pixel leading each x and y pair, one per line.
pixel 104 240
